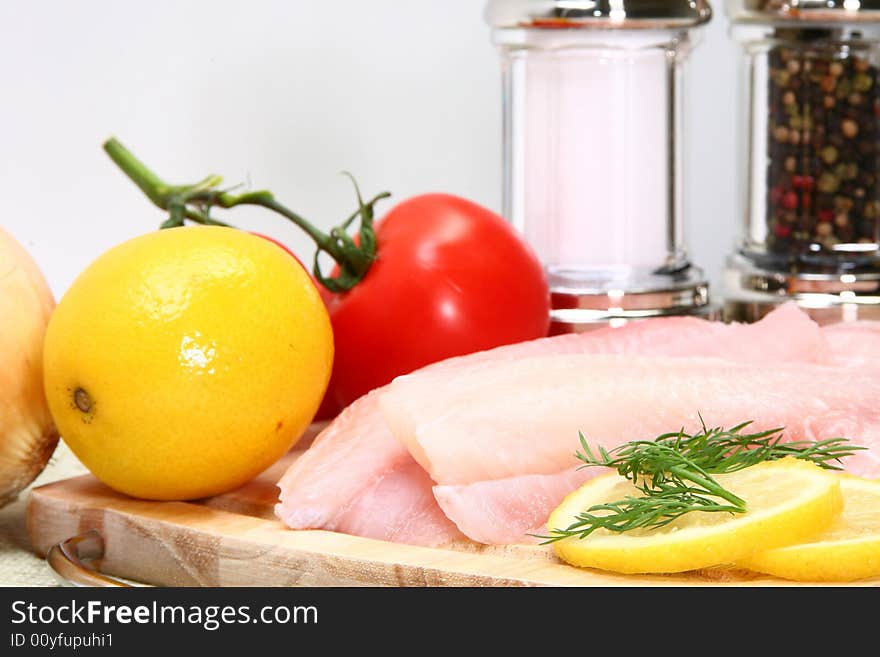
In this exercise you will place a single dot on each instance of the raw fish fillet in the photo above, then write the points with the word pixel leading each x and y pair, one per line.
pixel 498 511
pixel 409 511
pixel 530 410
pixel 854 344
pixel 352 456
pixel 505 511
pixel 529 425
pixel 357 479
pixel 339 464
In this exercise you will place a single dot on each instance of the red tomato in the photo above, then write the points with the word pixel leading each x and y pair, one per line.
pixel 450 278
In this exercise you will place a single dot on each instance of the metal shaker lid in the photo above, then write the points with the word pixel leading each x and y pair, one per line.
pixel 603 14
pixel 813 12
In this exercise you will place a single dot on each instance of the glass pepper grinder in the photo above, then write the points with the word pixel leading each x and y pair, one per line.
pixel 593 175
pixel 809 189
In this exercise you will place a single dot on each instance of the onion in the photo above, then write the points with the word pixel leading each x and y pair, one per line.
pixel 27 434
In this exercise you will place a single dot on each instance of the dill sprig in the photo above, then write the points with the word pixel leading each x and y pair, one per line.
pixel 674 474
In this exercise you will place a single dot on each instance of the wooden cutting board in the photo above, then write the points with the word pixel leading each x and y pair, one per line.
pixel 235 540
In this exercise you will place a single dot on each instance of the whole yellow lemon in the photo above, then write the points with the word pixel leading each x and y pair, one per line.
pixel 183 362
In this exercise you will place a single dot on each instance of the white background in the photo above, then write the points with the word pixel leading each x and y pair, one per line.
pixel 283 94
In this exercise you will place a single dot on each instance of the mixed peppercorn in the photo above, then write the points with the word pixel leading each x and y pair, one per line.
pixel 824 157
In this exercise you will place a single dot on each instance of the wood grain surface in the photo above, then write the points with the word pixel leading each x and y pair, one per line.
pixel 235 540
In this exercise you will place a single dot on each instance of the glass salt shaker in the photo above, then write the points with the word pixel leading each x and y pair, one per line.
pixel 592 111
pixel 809 190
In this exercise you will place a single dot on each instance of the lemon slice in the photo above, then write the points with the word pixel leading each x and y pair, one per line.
pixel 846 551
pixel 789 501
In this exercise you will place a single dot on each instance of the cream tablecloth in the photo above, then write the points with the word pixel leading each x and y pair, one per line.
pixel 18 565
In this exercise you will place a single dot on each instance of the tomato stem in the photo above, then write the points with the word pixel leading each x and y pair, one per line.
pixel 194 203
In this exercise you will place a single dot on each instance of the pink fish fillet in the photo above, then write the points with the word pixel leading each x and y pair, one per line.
pixel 614 401
pixel 530 412
pixel 410 513
pixel 510 510
pixel 349 460
pixel 854 344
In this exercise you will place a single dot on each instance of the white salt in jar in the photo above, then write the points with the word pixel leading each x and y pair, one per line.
pixel 592 152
